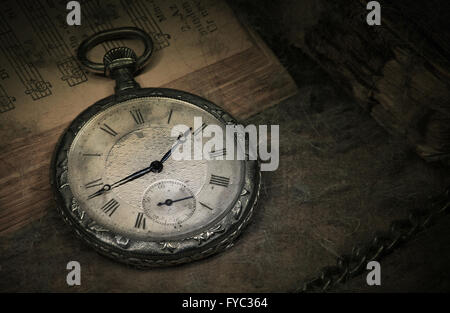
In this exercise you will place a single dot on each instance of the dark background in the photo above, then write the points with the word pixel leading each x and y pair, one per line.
pixel 342 178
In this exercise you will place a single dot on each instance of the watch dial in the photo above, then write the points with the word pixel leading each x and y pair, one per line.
pixel 183 199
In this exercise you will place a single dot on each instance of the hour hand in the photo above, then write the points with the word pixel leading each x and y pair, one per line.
pixel 155 166
pixel 101 191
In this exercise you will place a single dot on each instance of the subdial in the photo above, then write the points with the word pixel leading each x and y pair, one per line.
pixel 169 202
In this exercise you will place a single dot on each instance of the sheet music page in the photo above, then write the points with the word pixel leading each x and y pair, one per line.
pixel 41 82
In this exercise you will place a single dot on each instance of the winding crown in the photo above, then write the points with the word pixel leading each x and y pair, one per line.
pixel 119 57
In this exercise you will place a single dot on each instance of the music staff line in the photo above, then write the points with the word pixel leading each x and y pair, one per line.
pixel 142 18
pixel 53 42
pixel 30 77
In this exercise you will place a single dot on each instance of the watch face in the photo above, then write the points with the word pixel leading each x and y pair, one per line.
pixel 120 186
pixel 184 198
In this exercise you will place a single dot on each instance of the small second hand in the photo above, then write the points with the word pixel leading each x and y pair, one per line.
pixel 169 201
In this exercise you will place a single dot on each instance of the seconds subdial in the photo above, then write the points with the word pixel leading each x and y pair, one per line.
pixel 169 202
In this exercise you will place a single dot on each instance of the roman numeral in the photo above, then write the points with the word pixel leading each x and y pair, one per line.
pixel 219 181
pixel 140 221
pixel 137 116
pixel 94 183
pixel 208 207
pixel 219 153
pixel 170 116
pixel 108 130
pixel 110 207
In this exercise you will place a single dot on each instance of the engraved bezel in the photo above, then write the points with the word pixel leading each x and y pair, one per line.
pixel 139 253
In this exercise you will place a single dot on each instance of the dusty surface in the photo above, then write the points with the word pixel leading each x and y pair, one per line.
pixel 420 266
pixel 341 178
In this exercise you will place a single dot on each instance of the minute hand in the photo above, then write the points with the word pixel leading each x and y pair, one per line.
pixel 154 167
pixel 180 139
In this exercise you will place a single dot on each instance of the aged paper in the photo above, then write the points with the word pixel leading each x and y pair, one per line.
pixel 42 84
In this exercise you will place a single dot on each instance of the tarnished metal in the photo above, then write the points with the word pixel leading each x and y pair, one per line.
pixel 126 216
pixel 113 34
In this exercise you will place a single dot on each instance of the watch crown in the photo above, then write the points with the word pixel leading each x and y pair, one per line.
pixel 119 57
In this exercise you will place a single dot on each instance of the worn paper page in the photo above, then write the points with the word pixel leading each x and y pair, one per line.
pixel 42 85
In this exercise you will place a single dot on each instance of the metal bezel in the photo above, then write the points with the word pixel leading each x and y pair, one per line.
pixel 143 254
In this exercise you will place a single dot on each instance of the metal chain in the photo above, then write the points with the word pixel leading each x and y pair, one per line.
pixel 383 243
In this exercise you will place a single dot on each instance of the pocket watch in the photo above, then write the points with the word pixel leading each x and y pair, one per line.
pixel 117 184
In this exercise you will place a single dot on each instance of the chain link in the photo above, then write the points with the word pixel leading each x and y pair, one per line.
pixel 382 244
